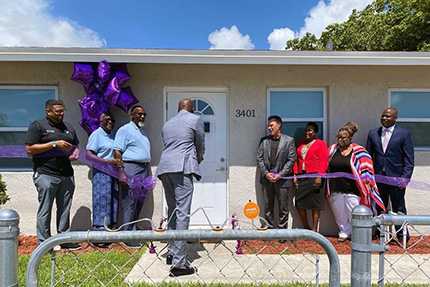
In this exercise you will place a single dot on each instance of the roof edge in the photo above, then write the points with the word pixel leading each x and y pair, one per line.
pixel 222 57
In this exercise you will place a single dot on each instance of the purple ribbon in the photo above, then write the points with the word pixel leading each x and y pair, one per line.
pixel 149 183
pixel 388 180
pixel 15 151
pixel 139 186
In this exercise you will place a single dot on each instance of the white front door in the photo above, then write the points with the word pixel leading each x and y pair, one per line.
pixel 211 191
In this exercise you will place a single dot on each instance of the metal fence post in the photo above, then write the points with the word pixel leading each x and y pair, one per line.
pixel 361 245
pixel 9 231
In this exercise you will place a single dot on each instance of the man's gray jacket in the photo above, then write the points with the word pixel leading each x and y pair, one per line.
pixel 285 158
pixel 184 145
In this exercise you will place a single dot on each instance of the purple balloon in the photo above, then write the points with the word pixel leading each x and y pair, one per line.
pixel 111 93
pixel 89 125
pixel 126 99
pixel 103 91
pixel 103 72
pixel 84 74
pixel 121 73
pixel 92 107
pixel 92 89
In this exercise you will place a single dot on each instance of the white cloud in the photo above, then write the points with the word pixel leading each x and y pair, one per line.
pixel 29 23
pixel 226 38
pixel 336 11
pixel 320 16
pixel 278 38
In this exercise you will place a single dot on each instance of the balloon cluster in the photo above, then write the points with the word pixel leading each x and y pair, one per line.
pixel 102 84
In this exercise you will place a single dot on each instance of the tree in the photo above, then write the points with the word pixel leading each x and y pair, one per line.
pixel 384 25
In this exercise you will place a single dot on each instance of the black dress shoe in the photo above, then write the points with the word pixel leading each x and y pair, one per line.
pixel 180 271
pixel 71 246
pixel 102 244
pixel 169 259
pixel 133 244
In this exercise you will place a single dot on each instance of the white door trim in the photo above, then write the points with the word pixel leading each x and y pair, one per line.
pixel 166 90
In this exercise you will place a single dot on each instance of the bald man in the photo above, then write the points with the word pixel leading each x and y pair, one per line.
pixel 392 152
pixel 184 145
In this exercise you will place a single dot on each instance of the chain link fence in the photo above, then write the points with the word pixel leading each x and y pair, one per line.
pixel 407 241
pixel 400 256
pixel 223 256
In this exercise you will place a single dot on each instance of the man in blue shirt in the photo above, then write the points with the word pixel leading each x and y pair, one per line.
pixel 132 147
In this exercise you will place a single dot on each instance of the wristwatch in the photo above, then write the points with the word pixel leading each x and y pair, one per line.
pixel 54 144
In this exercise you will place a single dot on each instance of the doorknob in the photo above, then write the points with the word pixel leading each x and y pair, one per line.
pixel 220 169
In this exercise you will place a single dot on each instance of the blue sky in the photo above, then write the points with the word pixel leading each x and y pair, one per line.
pixel 174 24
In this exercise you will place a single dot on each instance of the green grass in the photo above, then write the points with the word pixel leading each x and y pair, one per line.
pixel 72 270
pixel 78 271
pixel 86 268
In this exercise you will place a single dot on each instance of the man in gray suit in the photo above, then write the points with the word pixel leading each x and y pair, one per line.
pixel 184 145
pixel 275 157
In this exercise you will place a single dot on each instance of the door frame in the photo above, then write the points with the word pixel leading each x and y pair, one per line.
pixel 227 107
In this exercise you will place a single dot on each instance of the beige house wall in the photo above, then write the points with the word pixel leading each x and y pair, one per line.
pixel 354 93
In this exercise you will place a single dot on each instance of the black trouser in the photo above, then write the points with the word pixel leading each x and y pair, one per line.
pixel 273 190
pixel 398 204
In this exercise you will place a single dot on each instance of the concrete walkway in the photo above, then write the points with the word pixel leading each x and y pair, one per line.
pixel 218 263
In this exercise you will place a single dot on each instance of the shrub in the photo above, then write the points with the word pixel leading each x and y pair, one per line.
pixel 3 195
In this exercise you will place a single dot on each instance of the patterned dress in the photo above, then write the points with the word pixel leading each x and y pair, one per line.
pixel 105 200
pixel 105 187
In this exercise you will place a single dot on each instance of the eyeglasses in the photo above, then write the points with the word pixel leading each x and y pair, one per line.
pixel 343 138
pixel 110 120
pixel 58 112
pixel 141 114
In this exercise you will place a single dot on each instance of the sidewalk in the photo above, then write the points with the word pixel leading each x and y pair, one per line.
pixel 218 263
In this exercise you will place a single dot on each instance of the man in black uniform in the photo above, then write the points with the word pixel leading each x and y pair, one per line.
pixel 53 144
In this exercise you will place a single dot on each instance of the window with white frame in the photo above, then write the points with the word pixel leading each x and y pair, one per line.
pixel 297 107
pixel 413 114
pixel 19 107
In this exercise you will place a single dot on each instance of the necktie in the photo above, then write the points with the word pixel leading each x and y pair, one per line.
pixel 385 139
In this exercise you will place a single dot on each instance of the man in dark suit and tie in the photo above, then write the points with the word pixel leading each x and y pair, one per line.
pixel 275 157
pixel 393 155
pixel 184 146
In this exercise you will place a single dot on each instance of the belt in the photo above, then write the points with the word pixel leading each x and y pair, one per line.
pixel 135 162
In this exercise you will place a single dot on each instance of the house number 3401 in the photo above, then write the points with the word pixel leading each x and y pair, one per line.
pixel 245 113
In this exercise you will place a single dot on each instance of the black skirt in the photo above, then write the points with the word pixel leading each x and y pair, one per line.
pixel 307 197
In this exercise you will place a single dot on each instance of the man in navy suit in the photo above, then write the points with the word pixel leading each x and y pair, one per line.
pixel 393 155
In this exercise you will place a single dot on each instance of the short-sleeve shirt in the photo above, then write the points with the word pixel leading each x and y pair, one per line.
pixel 101 143
pixel 43 131
pixel 133 143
